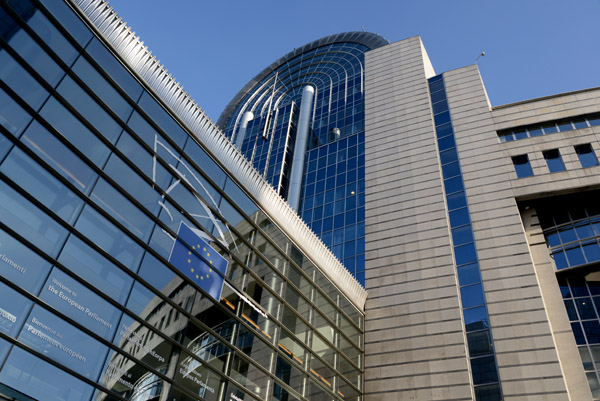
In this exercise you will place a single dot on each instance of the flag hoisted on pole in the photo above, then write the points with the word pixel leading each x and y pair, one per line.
pixel 195 258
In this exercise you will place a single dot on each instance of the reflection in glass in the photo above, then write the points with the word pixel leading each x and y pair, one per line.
pixel 13 310
pixel 41 380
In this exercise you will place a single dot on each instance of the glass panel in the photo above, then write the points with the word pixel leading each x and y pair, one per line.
pixel 522 166
pixel 80 304
pixel 480 343
pixel 114 68
pixel 197 378
pixel 75 132
pixel 250 376
pixel 488 393
pixel 586 155
pixel 69 20
pixel 289 374
pixel 162 119
pixel 468 274
pixel 102 89
pixel 484 370
pixel 465 254
pixel 14 308
pixel 592 331
pixel 553 160
pixel 109 238
pixel 571 311
pixel 30 222
pixel 41 380
pixel 462 235
pixel 41 185
pixel 115 204
pixel 472 296
pixel 95 269
pixel 476 319
pixel 12 117
pixel 46 146
pixel 586 358
pixel 21 265
pixel 62 342
pixel 21 82
pixel 89 109
pixel 33 54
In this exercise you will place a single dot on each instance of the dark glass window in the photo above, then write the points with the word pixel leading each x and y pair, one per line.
pixel 586 155
pixel 14 308
pixel 12 116
pixel 20 81
pixel 553 160
pixel 522 166
pixel 472 295
pixel 484 370
pixel 468 274
pixel 480 343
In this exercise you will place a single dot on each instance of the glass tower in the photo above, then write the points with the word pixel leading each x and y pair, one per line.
pixel 263 122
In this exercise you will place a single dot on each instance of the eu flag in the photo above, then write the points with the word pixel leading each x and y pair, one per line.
pixel 197 260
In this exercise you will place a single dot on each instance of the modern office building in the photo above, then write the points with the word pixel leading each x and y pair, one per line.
pixel 146 254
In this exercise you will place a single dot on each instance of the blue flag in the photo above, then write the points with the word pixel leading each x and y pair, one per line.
pixel 196 259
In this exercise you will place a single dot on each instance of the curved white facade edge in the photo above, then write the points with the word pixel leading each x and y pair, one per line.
pixel 140 60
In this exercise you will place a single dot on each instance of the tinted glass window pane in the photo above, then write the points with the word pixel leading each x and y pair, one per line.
pixel 592 331
pixel 30 222
pixel 207 164
pixel 575 256
pixel 444 130
pixel 41 380
pixel 115 69
pixel 14 308
pixel 163 119
pixel 451 170
pixel 12 117
pixel 537 131
pixel 459 217
pixel 522 166
pixel 448 156
pixel 553 160
pixel 578 333
pixel 476 319
pixel 484 370
pixel 41 185
pixel 89 109
pixel 462 235
pixel 69 20
pixel 591 251
pixel 468 274
pixel 122 209
pixel 33 54
pixel 520 134
pixel 565 126
pixel 21 265
pixel 453 185
pixel 585 308
pixel 109 238
pixel 446 143
pixel 465 254
pixel 472 296
pixel 586 155
pixel 74 131
pixel 571 309
pixel 488 393
pixel 50 335
pixel 480 343
pixel 549 128
pixel 52 37
pixel 79 303
pixel 21 82
pixel 594 121
pixel 95 269
pixel 46 146
pixel 440 107
pixel 106 92
pixel 456 200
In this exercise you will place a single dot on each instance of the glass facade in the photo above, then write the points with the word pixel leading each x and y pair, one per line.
pixel 132 267
pixel 482 358
pixel 332 193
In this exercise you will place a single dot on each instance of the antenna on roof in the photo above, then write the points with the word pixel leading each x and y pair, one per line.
pixel 363 28
pixel 477 59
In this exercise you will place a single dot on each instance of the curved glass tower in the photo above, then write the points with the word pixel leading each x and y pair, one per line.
pixel 301 123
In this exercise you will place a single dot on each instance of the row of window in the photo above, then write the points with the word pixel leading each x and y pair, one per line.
pixel 87 162
pixel 480 344
pixel 548 128
pixel 582 302
pixel 554 161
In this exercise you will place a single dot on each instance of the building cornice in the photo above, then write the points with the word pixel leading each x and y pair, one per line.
pixel 128 47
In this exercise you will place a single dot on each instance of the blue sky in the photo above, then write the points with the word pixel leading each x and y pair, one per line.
pixel 533 48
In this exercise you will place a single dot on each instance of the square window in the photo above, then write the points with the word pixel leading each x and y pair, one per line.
pixel 586 155
pixel 554 161
pixel 522 166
